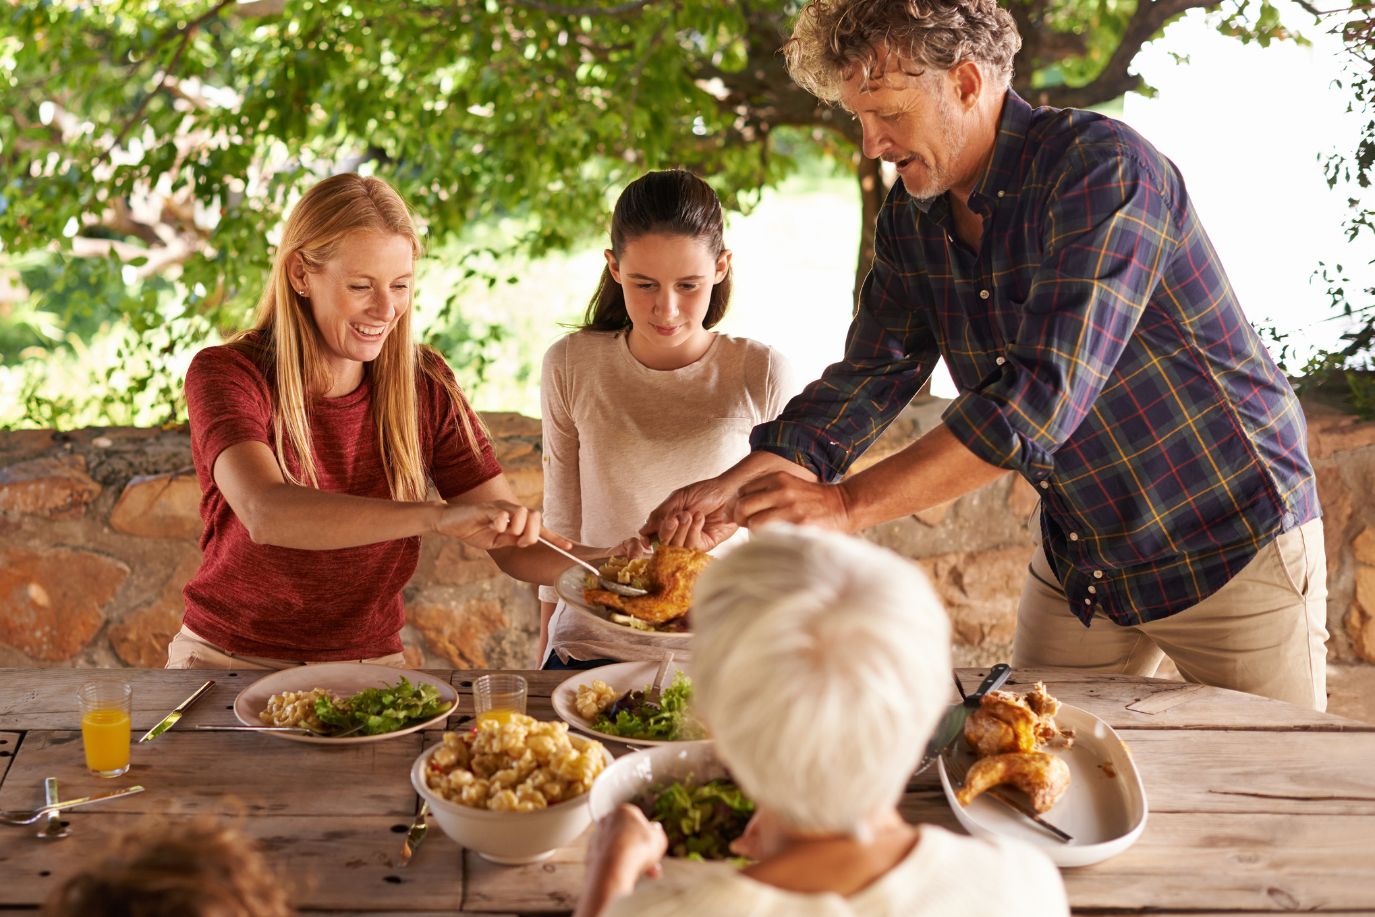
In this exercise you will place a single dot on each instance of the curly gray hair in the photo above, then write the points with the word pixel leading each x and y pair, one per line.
pixel 834 39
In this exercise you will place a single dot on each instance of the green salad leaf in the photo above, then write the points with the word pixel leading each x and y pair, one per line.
pixel 384 709
pixel 635 716
pixel 700 819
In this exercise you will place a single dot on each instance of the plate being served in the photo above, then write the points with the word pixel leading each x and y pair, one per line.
pixel 622 677
pixel 1104 809
pixel 344 679
pixel 570 585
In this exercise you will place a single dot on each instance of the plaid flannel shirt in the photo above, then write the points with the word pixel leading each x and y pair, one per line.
pixel 1099 351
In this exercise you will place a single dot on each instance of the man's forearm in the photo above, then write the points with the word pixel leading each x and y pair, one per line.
pixel 934 469
pixel 757 464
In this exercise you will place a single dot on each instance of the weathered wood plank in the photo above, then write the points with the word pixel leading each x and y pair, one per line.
pixel 212 771
pixel 1127 702
pixel 342 863
pixel 538 683
pixel 46 698
pixel 539 888
pixel 9 746
pixel 1304 773
pixel 1225 862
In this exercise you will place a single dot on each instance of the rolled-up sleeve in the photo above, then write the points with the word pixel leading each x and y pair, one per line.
pixel 1107 237
pixel 889 352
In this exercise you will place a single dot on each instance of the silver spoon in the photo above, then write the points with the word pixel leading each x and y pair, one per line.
pixel 608 584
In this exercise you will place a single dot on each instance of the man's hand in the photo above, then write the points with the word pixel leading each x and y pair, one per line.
pixel 783 497
pixel 625 846
pixel 696 516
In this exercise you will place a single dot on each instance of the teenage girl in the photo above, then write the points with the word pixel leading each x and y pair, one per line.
pixel 644 397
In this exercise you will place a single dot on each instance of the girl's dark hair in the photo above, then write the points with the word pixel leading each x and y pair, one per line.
pixel 672 203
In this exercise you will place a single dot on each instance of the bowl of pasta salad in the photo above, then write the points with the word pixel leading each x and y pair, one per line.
pixel 512 791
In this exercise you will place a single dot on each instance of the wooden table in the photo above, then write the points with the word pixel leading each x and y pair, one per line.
pixel 1256 806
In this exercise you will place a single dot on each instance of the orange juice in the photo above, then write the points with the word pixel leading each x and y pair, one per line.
pixel 105 736
pixel 497 715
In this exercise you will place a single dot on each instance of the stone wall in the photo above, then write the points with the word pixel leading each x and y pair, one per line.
pixel 99 530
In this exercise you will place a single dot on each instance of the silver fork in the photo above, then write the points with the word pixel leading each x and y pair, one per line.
pixel 53 826
pixel 299 730
pixel 28 817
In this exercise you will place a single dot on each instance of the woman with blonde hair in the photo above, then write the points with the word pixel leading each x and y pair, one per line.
pixel 316 437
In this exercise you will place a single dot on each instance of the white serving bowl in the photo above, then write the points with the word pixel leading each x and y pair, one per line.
pixel 509 838
pixel 636 772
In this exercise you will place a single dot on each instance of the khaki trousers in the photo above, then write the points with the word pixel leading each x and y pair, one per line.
pixel 188 650
pixel 1264 632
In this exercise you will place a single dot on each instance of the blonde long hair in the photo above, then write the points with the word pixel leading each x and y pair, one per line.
pixel 285 327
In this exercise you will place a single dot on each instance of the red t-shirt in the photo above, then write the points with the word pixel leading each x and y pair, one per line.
pixel 310 606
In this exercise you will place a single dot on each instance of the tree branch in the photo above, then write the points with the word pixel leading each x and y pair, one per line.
pixel 186 35
pixel 1114 79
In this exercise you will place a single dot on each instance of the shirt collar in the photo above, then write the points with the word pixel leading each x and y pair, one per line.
pixel 997 176
pixel 1013 124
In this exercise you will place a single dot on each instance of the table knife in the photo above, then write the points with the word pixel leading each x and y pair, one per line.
pixel 170 719
pixel 416 835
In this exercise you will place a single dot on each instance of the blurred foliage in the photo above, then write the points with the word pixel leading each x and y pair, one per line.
pixel 149 148
pixel 1348 373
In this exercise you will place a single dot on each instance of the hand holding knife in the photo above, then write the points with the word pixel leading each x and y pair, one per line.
pixel 170 719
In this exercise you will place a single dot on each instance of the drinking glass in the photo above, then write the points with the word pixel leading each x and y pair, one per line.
pixel 106 707
pixel 498 697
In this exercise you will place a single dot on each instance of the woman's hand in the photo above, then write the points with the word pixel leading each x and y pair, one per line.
pixel 696 516
pixel 494 524
pixel 625 847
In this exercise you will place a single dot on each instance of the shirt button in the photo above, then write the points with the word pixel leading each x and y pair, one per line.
pixel 984 294
pixel 1097 574
pixel 1000 361
pixel 1073 536
pixel 1000 194
pixel 1093 590
pixel 1045 485
pixel 1088 601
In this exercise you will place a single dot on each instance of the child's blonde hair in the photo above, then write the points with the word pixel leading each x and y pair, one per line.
pixel 197 868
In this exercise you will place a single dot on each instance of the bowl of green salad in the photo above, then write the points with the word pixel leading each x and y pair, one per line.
pixel 686 789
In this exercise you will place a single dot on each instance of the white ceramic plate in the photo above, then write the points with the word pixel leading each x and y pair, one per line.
pixel 569 586
pixel 622 677
pixel 1104 808
pixel 343 678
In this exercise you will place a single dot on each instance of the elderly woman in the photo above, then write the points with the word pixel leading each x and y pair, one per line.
pixel 821 665
pixel 317 436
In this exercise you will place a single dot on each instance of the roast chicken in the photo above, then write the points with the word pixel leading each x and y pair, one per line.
pixel 1041 776
pixel 1007 723
pixel 1008 733
pixel 671 574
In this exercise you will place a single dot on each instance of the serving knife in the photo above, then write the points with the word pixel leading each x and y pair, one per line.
pixel 416 835
pixel 952 722
pixel 170 719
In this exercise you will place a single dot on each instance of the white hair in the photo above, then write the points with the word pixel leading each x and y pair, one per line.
pixel 821 663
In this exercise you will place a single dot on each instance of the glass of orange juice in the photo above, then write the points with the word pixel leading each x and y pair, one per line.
pixel 498 697
pixel 105 715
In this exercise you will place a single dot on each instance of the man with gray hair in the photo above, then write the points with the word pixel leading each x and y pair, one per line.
pixel 821 665
pixel 1053 257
